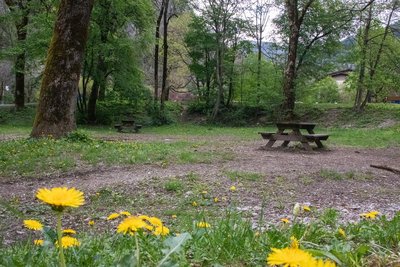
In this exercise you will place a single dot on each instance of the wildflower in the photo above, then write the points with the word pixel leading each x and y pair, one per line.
pixel 131 225
pixel 113 216
pixel 152 220
pixel 161 230
pixel 125 213
pixel 294 242
pixel 91 223
pixel 370 215
pixel 69 231
pixel 290 257
pixel 194 204
pixel 33 225
pixel 204 192
pixel 296 209
pixel 342 232
pixel 285 220
pixel 257 234
pixel 38 242
pixel 61 197
pixel 216 200
pixel 203 225
pixel 306 208
pixel 232 188
pixel 68 241
pixel 173 216
pixel 322 263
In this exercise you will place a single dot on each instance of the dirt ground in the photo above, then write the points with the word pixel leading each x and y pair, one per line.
pixel 336 177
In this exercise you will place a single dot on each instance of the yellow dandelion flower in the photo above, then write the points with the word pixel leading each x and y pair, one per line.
pixel 131 225
pixel 33 225
pixel 161 230
pixel 203 225
pixel 194 204
pixel 322 263
pixel 69 231
pixel 61 197
pixel 152 220
pixel 173 216
pixel 68 241
pixel 91 223
pixel 290 257
pixel 294 242
pixel 113 216
pixel 306 208
pixel 125 213
pixel 285 220
pixel 342 232
pixel 370 215
pixel 216 200
pixel 38 242
pixel 232 188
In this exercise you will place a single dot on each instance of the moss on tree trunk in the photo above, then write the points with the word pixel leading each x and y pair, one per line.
pixel 59 88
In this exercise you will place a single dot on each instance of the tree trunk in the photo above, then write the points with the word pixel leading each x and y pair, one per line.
pixel 156 50
pixel 361 76
pixel 19 94
pixel 58 92
pixel 94 93
pixel 164 87
pixel 219 78
pixel 1 92
pixel 290 69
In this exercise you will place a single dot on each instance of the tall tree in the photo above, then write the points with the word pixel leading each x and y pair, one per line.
pixel 308 25
pixel 260 17
pixel 370 61
pixel 57 102
pixel 21 22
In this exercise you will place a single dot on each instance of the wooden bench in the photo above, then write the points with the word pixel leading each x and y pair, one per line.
pixel 128 125
pixel 269 135
pixel 313 137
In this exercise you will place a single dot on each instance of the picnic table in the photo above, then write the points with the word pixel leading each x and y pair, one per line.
pixel 290 132
pixel 129 125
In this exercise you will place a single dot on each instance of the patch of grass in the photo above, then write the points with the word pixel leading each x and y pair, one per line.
pixel 173 185
pixel 47 156
pixel 350 175
pixel 240 176
pixel 331 175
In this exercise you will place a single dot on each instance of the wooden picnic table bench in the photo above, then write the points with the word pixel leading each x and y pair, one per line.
pixel 295 134
pixel 129 125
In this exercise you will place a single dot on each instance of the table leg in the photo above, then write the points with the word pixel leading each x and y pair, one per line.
pixel 319 144
pixel 285 143
pixel 270 143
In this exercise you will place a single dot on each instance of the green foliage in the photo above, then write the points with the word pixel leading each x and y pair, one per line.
pixel 270 93
pixel 231 240
pixel 322 91
pixel 173 185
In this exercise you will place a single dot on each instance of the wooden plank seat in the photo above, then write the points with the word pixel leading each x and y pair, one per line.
pixel 314 137
pixel 269 135
pixel 128 126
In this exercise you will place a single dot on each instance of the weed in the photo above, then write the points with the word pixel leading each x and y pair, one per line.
pixel 239 176
pixel 331 175
pixel 173 185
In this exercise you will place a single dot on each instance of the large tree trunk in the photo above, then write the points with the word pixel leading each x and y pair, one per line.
pixel 58 92
pixel 290 69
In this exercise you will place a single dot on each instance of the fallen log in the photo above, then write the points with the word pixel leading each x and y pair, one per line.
pixel 386 168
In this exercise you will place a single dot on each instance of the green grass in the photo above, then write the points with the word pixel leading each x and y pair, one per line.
pixel 45 156
pixel 231 240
